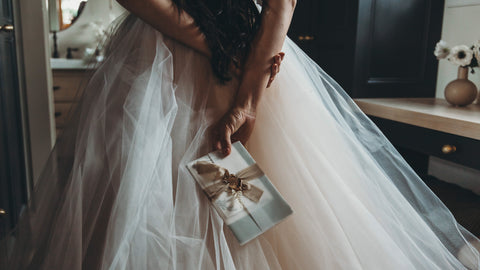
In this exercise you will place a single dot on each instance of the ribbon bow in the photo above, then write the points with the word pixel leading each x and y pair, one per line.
pixel 236 184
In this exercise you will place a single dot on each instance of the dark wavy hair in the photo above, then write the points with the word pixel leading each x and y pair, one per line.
pixel 229 27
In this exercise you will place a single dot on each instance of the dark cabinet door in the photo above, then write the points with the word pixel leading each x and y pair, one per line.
pixel 325 30
pixel 333 27
pixel 372 48
pixel 394 48
pixel 12 170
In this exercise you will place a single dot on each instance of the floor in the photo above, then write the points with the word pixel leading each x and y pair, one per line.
pixel 464 204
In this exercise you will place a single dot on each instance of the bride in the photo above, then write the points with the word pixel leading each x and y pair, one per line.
pixel 182 78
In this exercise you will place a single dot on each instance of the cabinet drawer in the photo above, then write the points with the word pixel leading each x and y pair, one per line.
pixel 446 146
pixel 62 111
pixel 66 84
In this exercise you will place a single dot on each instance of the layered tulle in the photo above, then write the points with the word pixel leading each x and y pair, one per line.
pixel 116 193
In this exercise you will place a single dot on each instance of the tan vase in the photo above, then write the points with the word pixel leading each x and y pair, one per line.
pixel 461 92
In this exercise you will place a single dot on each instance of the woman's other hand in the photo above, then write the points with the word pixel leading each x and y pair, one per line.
pixel 236 125
pixel 275 69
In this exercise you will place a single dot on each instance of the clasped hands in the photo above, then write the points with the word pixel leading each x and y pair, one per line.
pixel 237 124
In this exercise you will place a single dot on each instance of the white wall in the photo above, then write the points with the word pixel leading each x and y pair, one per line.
pixel 81 34
pixel 35 81
pixel 461 25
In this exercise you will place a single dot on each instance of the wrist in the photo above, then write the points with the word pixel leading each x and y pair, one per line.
pixel 258 62
pixel 247 105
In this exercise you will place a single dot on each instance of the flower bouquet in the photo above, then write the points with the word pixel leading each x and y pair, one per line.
pixel 460 55
pixel 460 92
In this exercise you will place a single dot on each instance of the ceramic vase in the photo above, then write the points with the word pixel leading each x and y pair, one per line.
pixel 461 92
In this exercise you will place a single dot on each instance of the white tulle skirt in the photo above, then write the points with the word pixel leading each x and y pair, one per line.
pixel 116 194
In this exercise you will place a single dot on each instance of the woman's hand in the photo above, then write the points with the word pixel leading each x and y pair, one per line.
pixel 236 125
pixel 275 69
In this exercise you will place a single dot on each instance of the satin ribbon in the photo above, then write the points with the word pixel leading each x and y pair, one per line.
pixel 236 184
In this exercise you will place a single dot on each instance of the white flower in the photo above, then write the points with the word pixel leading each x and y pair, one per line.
pixel 476 50
pixel 89 52
pixel 461 55
pixel 441 50
pixel 98 30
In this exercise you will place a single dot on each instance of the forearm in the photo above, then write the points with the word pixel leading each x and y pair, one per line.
pixel 276 17
pixel 165 17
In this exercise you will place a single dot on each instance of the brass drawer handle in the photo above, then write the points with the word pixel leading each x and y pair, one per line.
pixel 2 212
pixel 306 38
pixel 6 28
pixel 449 149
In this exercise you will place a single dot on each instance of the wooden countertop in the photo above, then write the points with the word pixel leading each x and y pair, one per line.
pixel 431 113
pixel 70 64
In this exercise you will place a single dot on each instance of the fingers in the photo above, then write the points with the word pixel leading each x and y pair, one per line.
pixel 236 125
pixel 275 68
pixel 222 134
pixel 217 143
pixel 273 72
pixel 278 60
pixel 226 142
pixel 222 141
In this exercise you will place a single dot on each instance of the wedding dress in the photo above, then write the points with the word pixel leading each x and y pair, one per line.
pixel 116 193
